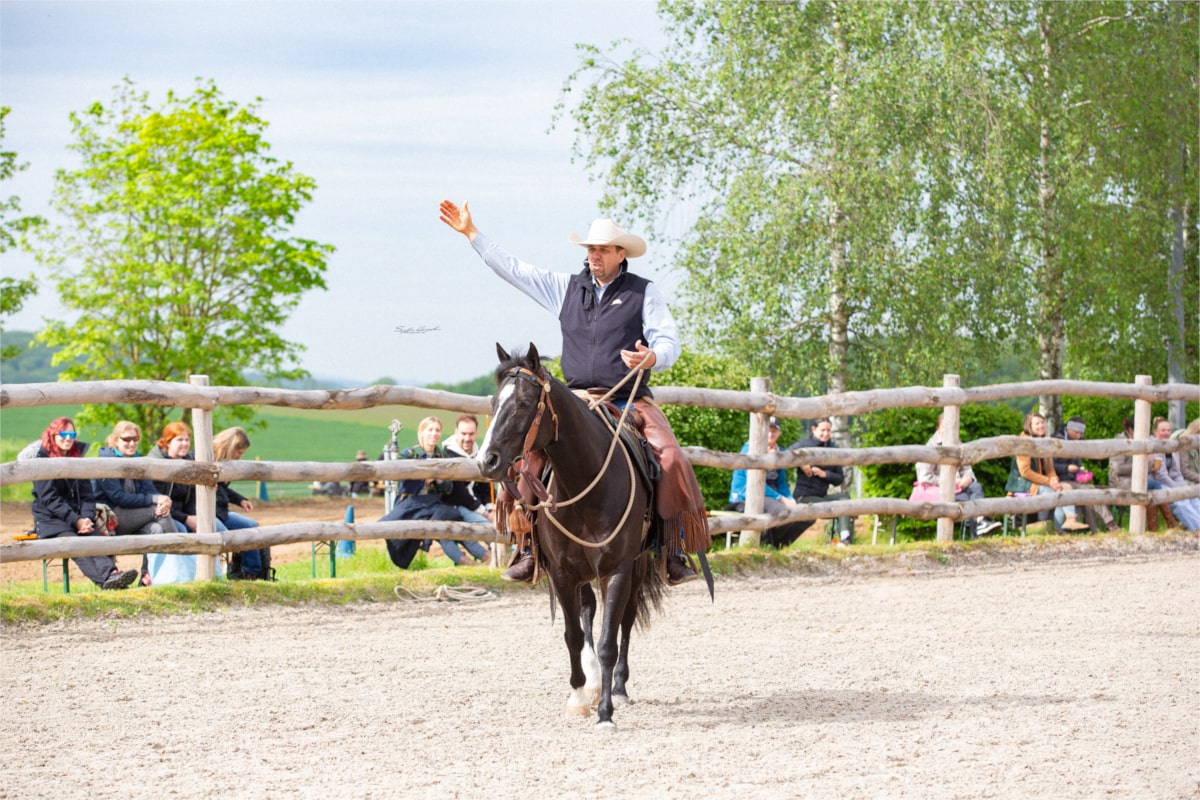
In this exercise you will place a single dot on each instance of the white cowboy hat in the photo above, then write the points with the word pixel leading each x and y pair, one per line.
pixel 605 231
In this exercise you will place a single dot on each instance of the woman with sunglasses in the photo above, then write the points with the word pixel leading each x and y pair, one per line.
pixel 67 507
pixel 140 508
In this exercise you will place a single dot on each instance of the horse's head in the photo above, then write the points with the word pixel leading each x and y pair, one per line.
pixel 519 419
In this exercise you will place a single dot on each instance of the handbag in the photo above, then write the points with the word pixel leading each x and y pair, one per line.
pixel 105 520
pixel 925 493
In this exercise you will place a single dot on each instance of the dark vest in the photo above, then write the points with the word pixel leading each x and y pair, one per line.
pixel 595 334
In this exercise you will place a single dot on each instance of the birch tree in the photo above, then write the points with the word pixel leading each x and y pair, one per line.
pixel 789 127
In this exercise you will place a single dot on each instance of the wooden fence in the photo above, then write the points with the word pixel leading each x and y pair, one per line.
pixel 759 403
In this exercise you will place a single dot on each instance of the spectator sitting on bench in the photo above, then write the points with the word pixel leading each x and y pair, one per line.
pixel 436 492
pixel 249 565
pixel 1167 469
pixel 66 507
pixel 1037 474
pixel 814 481
pixel 1068 470
pixel 139 506
pixel 777 498
pixel 360 487
pixel 1120 476
pixel 175 444
pixel 966 487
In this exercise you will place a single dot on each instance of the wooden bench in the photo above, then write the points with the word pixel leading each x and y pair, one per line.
pixel 29 536
pixel 66 573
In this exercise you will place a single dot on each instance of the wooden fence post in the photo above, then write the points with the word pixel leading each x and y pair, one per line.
pixel 206 496
pixel 756 479
pixel 1139 468
pixel 948 472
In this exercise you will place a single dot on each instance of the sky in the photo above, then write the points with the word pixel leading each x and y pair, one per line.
pixel 390 107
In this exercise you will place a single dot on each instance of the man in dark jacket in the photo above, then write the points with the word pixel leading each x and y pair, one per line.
pixel 813 481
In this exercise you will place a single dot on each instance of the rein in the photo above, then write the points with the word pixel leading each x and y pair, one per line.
pixel 548 502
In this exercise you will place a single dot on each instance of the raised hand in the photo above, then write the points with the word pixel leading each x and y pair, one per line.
pixel 458 218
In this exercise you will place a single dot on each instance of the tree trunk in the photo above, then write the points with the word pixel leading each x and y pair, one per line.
pixel 839 315
pixel 1050 281
pixel 1177 410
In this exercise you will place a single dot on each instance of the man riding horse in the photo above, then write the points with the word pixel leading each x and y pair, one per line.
pixel 612 321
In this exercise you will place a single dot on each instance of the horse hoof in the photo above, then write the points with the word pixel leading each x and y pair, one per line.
pixel 579 711
pixel 606 727
pixel 621 699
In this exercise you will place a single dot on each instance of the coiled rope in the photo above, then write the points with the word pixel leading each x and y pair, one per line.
pixel 446 594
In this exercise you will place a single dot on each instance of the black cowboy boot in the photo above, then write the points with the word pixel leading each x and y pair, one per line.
pixel 522 568
pixel 679 571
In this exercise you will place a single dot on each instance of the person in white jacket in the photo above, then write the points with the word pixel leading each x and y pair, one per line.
pixel 966 486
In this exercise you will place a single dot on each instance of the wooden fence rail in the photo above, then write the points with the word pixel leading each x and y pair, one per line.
pixel 460 469
pixel 759 404
pixel 272 535
pixel 182 395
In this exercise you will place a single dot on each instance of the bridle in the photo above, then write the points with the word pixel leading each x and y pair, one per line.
pixel 520 465
pixel 541 379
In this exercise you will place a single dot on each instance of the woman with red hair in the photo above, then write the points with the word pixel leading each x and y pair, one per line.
pixel 176 443
pixel 66 506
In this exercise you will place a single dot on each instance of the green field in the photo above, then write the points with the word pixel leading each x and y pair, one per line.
pixel 289 435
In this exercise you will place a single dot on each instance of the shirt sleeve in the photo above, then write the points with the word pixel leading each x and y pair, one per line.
pixel 547 289
pixel 661 335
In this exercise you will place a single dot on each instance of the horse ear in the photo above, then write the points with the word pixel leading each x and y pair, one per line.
pixel 534 358
pixel 500 352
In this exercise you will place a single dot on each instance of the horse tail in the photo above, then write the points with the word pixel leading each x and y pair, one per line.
pixel 651 588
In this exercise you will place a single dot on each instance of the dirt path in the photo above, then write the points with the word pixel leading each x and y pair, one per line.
pixel 1069 679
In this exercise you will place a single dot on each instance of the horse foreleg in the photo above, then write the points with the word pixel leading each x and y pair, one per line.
pixel 616 598
pixel 573 635
pixel 588 658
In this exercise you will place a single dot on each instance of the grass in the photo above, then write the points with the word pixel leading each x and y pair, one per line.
pixel 369 577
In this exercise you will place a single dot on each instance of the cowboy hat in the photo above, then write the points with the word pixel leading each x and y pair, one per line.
pixel 605 231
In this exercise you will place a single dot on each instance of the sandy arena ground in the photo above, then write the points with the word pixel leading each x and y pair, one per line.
pixel 1055 679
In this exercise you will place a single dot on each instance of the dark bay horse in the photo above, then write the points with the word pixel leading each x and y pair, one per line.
pixel 594 525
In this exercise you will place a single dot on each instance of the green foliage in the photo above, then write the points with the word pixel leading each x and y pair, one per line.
pixel 900 426
pixel 715 429
pixel 879 193
pixel 13 291
pixel 795 131
pixel 175 251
